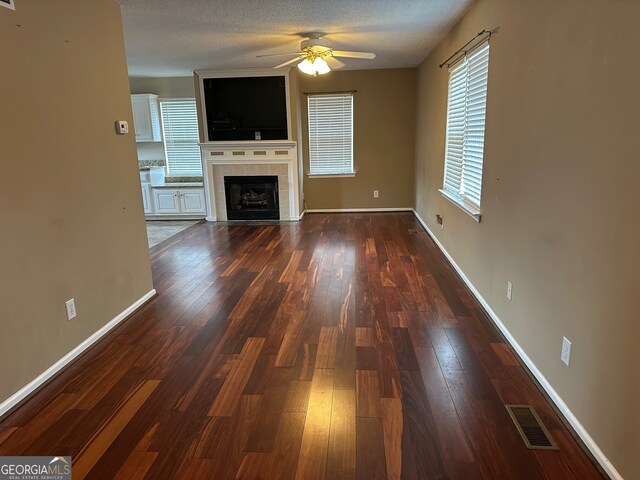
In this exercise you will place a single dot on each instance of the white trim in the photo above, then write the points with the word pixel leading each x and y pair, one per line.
pixel 458 202
pixel 302 214
pixel 10 5
pixel 357 210
pixel 331 175
pixel 153 217
pixel 600 457
pixel 248 145
pixel 50 372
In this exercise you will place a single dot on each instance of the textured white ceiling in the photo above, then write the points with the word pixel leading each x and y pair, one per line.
pixel 173 38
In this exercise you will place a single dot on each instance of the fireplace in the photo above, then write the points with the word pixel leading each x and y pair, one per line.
pixel 252 197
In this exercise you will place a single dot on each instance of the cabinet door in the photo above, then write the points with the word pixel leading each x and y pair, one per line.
pixel 146 200
pixel 141 118
pixel 165 201
pixel 192 201
pixel 146 118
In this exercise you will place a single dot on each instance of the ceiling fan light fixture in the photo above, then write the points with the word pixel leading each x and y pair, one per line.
pixel 316 67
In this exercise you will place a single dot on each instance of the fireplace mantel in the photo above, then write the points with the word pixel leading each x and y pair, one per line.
pixel 251 158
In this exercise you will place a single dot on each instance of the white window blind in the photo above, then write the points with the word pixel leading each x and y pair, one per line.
pixel 330 134
pixel 466 109
pixel 180 128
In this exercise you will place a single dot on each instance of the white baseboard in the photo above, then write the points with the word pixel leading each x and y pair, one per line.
pixel 49 373
pixel 544 383
pixel 302 214
pixel 358 210
pixel 174 217
pixel 210 219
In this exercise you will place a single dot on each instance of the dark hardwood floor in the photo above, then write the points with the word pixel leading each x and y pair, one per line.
pixel 342 346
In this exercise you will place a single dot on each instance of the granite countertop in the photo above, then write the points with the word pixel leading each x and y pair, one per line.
pixel 179 185
pixel 147 164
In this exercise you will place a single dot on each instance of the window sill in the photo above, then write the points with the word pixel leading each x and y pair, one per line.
pixel 472 212
pixel 331 175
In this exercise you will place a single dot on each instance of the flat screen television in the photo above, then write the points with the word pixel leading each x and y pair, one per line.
pixel 246 108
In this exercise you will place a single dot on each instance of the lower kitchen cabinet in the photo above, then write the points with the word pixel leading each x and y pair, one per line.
pixel 183 201
pixel 192 201
pixel 166 201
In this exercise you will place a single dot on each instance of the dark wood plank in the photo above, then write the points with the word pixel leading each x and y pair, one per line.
pixel 226 401
pixel 451 437
pixel 137 465
pixel 392 428
pixel 419 420
pixel 253 467
pixel 283 460
pixel 370 449
pixel 367 393
pixel 341 456
pixel 312 462
pixel 95 448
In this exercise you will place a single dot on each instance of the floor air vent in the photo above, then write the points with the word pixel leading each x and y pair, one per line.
pixel 413 231
pixel 531 428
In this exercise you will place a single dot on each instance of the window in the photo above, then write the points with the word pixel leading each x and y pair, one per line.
pixel 180 128
pixel 465 130
pixel 330 134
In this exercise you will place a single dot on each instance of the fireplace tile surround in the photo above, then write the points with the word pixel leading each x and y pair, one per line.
pixel 251 159
pixel 221 171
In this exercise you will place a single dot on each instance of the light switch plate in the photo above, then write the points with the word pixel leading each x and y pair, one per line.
pixel 122 127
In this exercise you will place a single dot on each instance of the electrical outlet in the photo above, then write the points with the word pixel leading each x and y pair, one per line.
pixel 376 194
pixel 565 354
pixel 71 309
pixel 509 290
pixel 440 221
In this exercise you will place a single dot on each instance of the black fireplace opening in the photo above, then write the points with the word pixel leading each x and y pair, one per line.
pixel 252 197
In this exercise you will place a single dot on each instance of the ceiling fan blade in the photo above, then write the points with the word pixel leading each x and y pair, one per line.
pixel 288 62
pixel 347 54
pixel 334 63
pixel 278 54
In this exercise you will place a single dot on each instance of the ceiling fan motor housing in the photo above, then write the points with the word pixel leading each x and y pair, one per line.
pixel 316 45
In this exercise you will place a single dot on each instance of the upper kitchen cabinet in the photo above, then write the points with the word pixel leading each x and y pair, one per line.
pixel 146 117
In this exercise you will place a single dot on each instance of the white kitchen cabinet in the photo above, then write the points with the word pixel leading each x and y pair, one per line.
pixel 146 117
pixel 182 201
pixel 146 199
pixel 166 201
pixel 192 201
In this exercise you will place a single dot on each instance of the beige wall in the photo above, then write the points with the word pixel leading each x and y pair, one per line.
pixel 383 150
pixel 72 222
pixel 167 87
pixel 560 197
pixel 164 87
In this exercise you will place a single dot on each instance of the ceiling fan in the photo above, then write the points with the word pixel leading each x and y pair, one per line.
pixel 316 57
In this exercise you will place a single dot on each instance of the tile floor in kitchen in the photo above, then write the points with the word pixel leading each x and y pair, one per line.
pixel 158 231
